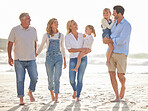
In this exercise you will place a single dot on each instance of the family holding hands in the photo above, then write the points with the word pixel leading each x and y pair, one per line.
pixel 116 33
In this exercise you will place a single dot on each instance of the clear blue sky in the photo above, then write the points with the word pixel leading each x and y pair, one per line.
pixel 84 12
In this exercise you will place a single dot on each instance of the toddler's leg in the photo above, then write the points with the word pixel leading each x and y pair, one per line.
pixel 78 61
pixel 111 47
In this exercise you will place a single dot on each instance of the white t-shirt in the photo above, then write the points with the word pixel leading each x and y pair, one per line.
pixel 72 43
pixel 24 42
pixel 88 41
pixel 45 39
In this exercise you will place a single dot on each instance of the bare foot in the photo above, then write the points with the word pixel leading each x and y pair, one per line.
pixel 116 100
pixel 78 99
pixel 56 101
pixel 108 64
pixel 122 92
pixel 31 96
pixel 21 101
pixel 74 95
pixel 76 70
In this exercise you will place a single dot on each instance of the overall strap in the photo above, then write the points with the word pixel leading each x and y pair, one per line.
pixel 59 36
pixel 48 35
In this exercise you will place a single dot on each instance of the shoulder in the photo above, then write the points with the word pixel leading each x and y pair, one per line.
pixel 127 23
pixel 103 20
pixel 32 28
pixel 68 36
pixel 16 28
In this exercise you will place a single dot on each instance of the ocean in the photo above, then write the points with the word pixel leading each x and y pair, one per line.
pixel 137 63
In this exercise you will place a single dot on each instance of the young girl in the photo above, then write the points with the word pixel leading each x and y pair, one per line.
pixel 55 51
pixel 107 24
pixel 88 41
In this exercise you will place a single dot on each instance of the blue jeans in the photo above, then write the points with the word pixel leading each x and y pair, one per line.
pixel 20 69
pixel 54 70
pixel 72 74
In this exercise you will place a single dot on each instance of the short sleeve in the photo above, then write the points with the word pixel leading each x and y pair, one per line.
pixel 11 37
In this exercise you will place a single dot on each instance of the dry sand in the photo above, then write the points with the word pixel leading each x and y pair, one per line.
pixel 95 96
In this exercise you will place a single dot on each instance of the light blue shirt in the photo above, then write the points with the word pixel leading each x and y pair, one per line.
pixel 120 34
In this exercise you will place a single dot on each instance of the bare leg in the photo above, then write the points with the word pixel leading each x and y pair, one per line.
pixel 122 80
pixel 56 98
pixel 52 95
pixel 74 95
pixel 114 85
pixel 31 96
pixel 21 101
pixel 109 54
pixel 78 61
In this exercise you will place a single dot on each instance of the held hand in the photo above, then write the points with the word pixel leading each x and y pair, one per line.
pixel 84 35
pixel 36 54
pixel 64 65
pixel 10 61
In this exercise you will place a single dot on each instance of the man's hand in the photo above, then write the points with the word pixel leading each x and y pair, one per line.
pixel 10 61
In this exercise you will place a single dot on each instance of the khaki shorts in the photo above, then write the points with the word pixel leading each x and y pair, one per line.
pixel 118 61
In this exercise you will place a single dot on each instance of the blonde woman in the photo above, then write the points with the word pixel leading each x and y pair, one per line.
pixel 88 41
pixel 74 44
pixel 55 52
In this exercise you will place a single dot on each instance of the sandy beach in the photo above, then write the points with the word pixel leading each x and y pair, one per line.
pixel 96 93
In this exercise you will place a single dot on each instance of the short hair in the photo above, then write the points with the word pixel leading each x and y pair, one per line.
pixel 22 15
pixel 119 9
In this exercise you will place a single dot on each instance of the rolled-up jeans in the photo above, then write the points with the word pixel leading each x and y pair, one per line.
pixel 72 74
pixel 20 69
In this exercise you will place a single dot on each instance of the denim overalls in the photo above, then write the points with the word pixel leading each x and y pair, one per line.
pixel 53 64
pixel 107 31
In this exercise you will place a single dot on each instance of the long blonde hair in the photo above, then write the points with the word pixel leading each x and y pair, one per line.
pixel 68 26
pixel 49 27
pixel 93 29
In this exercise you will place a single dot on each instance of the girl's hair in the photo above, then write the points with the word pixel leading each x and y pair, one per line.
pixel 107 9
pixel 92 28
pixel 68 26
pixel 49 27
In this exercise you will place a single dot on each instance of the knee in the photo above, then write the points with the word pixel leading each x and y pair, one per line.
pixel 72 82
pixel 112 74
pixel 111 47
pixel 34 79
pixel 121 77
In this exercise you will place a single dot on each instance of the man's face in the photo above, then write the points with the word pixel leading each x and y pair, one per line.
pixel 116 16
pixel 26 20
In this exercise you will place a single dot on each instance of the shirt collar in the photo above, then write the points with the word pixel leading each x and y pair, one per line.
pixel 24 28
pixel 122 21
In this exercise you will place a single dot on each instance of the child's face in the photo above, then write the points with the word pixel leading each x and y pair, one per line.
pixel 88 31
pixel 106 14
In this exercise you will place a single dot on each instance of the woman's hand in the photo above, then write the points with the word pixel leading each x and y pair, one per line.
pixel 36 54
pixel 64 63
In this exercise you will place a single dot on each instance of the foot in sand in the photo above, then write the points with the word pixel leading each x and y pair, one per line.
pixel 116 100
pixel 31 96
pixel 21 101
pixel 78 99
pixel 76 70
pixel 74 95
pixel 122 92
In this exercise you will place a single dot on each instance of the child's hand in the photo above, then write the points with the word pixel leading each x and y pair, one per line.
pixel 84 35
pixel 64 65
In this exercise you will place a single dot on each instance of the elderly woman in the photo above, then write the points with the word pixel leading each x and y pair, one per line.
pixel 74 43
pixel 54 56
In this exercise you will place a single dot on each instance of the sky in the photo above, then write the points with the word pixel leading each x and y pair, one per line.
pixel 84 12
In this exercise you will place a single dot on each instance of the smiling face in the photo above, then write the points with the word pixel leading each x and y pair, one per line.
pixel 116 16
pixel 88 31
pixel 73 26
pixel 106 14
pixel 55 24
pixel 25 21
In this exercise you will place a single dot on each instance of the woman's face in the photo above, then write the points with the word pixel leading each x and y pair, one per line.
pixel 74 26
pixel 55 24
